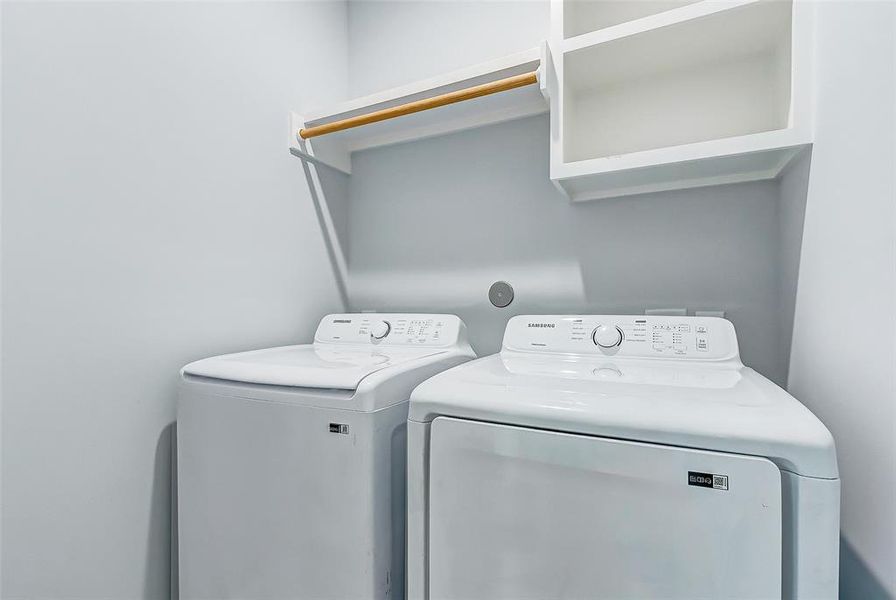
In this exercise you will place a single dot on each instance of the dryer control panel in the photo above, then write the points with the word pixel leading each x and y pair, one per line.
pixel 635 336
pixel 428 330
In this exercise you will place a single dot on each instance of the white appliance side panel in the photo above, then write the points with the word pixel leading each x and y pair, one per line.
pixel 520 513
pixel 274 505
pixel 811 537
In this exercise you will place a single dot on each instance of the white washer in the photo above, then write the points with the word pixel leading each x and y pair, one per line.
pixel 291 461
pixel 618 457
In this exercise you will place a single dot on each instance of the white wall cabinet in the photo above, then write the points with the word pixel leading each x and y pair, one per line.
pixel 688 94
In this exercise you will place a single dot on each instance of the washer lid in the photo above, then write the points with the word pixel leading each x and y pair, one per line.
pixel 713 406
pixel 321 366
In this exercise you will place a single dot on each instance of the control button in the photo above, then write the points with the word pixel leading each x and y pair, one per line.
pixel 607 336
pixel 701 328
pixel 380 330
pixel 702 344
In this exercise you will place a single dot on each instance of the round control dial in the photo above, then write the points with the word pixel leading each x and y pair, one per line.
pixel 380 330
pixel 607 336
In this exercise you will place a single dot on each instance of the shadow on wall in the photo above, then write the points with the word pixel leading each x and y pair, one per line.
pixel 430 225
pixel 856 580
pixel 161 553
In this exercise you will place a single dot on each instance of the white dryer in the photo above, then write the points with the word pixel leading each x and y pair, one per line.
pixel 618 457
pixel 291 461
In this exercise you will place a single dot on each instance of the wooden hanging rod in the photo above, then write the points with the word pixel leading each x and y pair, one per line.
pixel 469 93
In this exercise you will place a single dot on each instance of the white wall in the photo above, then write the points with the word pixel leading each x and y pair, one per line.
pixel 151 216
pixel 843 360
pixel 392 42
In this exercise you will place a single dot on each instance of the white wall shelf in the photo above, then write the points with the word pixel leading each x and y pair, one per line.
pixel 644 96
pixel 335 149
pixel 701 93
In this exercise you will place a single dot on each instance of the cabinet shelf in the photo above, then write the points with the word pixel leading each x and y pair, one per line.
pixel 335 149
pixel 704 94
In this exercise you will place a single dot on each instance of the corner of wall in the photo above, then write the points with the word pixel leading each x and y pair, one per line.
pixel 793 187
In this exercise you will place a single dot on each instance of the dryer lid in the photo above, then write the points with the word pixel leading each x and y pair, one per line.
pixel 673 380
pixel 317 366
pixel 720 408
pixel 347 348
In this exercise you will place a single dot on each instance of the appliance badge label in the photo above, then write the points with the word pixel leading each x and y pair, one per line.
pixel 339 428
pixel 708 480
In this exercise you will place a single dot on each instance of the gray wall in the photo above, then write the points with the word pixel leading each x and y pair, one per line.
pixel 844 340
pixel 433 223
pixel 151 216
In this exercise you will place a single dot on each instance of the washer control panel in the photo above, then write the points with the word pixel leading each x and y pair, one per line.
pixel 697 338
pixel 391 329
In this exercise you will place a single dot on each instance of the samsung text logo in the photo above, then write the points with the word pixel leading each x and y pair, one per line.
pixel 551 325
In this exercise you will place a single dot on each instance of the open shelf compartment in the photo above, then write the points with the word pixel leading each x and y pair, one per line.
pixel 709 88
pixel 584 16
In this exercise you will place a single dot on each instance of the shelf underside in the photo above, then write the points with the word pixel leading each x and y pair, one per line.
pixel 336 148
pixel 697 165
pixel 464 115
